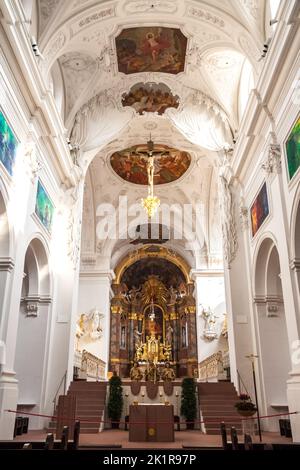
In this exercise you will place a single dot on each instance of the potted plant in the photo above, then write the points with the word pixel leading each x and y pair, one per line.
pixel 188 401
pixel 115 401
pixel 244 406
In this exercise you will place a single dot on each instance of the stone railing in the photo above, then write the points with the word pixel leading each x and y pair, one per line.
pixel 212 368
pixel 92 368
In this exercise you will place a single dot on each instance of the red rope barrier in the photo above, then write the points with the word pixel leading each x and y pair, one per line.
pixel 224 419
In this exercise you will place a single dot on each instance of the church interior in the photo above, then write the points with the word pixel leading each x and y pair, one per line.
pixel 149 223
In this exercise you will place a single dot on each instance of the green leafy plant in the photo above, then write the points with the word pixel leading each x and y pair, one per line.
pixel 188 401
pixel 245 403
pixel 115 400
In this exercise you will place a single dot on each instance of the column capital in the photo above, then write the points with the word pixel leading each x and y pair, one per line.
pixel 295 264
pixel 6 264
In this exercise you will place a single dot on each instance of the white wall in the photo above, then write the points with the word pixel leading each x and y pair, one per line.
pixel 210 292
pixel 94 293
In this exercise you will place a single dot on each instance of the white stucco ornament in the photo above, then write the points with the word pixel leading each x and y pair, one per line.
pixel 90 324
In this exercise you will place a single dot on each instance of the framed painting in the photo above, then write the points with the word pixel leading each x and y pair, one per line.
pixel 131 164
pixel 44 208
pixel 292 148
pixel 151 49
pixel 260 209
pixel 8 145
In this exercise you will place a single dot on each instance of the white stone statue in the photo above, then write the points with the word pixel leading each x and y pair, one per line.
pixel 210 324
pixel 169 335
pixel 137 337
pixel 91 324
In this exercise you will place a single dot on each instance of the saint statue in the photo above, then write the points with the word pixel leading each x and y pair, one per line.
pixel 135 372
pixel 173 295
pixel 169 335
pixel 139 351
pixel 150 373
pixel 168 373
pixel 137 337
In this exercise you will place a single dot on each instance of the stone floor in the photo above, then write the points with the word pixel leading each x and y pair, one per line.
pixel 182 438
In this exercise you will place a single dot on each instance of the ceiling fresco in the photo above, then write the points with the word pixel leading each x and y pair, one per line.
pixel 169 164
pixel 150 98
pixel 151 49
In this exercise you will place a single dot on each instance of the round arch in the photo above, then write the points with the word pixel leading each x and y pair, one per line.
pixel 152 251
pixel 263 246
pixel 36 258
pixel 271 327
pixel 34 321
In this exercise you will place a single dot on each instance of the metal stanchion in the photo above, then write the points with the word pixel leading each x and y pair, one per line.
pixel 252 357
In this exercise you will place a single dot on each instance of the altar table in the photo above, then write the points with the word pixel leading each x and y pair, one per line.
pixel 151 423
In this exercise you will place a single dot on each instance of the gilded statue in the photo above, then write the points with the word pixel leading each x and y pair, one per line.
pixel 151 372
pixel 135 372
pixel 168 373
pixel 139 352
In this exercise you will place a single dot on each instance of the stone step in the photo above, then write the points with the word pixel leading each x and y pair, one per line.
pixel 84 393
pixel 218 402
pixel 88 412
pixel 81 402
pixel 90 403
pixel 218 397
pixel 89 407
pixel 216 388
pixel 88 390
pixel 89 430
pixel 88 386
pixel 210 406
pixel 224 412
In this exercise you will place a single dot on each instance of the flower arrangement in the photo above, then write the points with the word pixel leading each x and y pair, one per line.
pixel 245 404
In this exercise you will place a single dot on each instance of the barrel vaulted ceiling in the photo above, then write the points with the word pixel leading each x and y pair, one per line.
pixel 80 53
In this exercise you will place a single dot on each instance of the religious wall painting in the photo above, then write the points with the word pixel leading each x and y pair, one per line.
pixel 44 208
pixel 169 164
pixel 154 322
pixel 292 147
pixel 8 145
pixel 259 209
pixel 151 49
pixel 150 98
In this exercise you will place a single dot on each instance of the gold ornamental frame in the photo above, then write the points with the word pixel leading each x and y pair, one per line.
pixel 152 251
